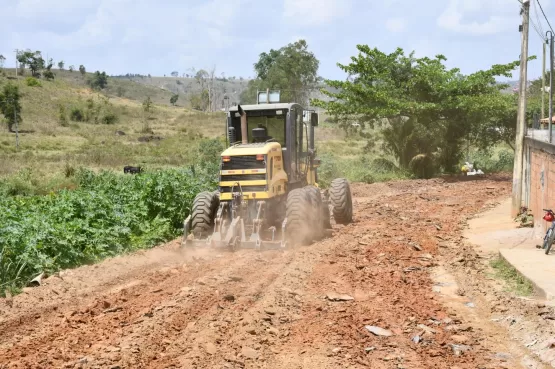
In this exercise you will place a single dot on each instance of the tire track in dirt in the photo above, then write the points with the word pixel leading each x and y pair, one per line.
pixel 268 310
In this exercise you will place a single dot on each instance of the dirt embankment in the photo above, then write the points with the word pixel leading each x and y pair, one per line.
pixel 312 307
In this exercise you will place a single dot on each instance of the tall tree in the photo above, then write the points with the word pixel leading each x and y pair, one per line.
pixel 82 70
pixel 293 69
pixel 61 65
pixel 2 61
pixel 424 110
pixel 9 104
pixel 71 68
pixel 33 60
pixel 98 81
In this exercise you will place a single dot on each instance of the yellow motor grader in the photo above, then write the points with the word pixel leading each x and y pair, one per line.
pixel 268 197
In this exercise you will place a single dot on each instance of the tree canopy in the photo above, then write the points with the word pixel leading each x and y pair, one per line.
pixel 98 81
pixel 31 59
pixel 424 111
pixel 9 104
pixel 173 99
pixel 293 69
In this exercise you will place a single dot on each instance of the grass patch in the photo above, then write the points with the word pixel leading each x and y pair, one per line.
pixel 515 282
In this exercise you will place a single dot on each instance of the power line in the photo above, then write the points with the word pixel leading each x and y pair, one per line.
pixel 536 13
pixel 541 8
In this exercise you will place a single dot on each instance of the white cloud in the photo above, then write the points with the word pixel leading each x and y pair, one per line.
pixel 458 15
pixel 395 24
pixel 315 12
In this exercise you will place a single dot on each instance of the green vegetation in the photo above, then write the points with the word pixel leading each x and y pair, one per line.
pixel 362 168
pixel 32 82
pixel 106 215
pixel 516 283
pixel 31 59
pixel 173 99
pixel 10 106
pixel 292 69
pixel 422 112
pixel 98 81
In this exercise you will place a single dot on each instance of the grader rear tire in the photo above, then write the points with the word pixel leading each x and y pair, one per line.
pixel 341 200
pixel 316 218
pixel 298 213
pixel 204 210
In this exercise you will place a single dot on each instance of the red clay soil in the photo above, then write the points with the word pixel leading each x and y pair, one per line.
pixel 174 308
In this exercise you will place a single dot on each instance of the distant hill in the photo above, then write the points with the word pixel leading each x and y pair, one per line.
pixel 189 86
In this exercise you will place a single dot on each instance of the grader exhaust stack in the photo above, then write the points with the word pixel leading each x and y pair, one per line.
pixel 244 132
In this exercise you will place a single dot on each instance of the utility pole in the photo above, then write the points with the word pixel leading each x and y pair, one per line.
pixel 16 67
pixel 543 81
pixel 551 51
pixel 16 126
pixel 521 120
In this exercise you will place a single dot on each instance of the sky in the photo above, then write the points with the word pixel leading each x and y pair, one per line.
pixel 158 37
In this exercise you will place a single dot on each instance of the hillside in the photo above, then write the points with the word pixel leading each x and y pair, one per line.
pixel 187 87
pixel 53 144
pixel 52 140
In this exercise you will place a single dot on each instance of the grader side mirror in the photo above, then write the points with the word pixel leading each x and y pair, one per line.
pixel 314 119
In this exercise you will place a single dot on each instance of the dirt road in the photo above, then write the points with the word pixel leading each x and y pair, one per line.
pixel 173 308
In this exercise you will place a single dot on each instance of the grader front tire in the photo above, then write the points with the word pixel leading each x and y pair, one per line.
pixel 205 205
pixel 341 201
pixel 298 213
pixel 316 218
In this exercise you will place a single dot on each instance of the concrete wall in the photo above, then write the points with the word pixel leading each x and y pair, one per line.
pixel 539 180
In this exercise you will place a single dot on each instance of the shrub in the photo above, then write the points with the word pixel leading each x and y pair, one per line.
pixel 77 114
pixel 32 82
pixel 423 166
pixel 109 118
pixel 48 75
pixel 490 163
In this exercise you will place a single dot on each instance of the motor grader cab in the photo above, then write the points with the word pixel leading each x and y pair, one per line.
pixel 268 195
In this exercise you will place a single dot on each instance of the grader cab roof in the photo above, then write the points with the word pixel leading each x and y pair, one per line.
pixel 257 107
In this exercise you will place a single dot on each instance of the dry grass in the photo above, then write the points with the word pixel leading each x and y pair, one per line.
pixel 46 145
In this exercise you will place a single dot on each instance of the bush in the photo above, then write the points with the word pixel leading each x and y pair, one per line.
pixel 33 82
pixel 107 215
pixel 109 118
pixel 95 112
pixel 77 115
pixel 423 166
pixel 490 163
pixel 48 75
